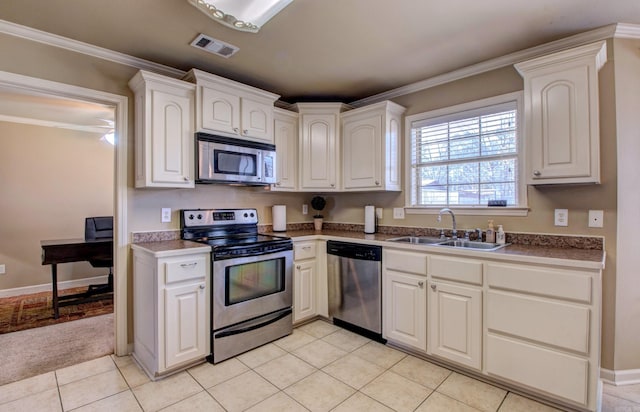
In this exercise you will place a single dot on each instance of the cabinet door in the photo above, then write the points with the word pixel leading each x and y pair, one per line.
pixel 455 323
pixel 405 309
pixel 362 160
pixel 304 305
pixel 286 139
pixel 220 111
pixel 560 125
pixel 185 326
pixel 318 151
pixel 257 120
pixel 171 140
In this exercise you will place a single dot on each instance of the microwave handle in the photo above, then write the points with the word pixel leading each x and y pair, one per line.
pixel 260 165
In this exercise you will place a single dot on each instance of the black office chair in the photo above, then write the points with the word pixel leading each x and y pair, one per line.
pixel 100 228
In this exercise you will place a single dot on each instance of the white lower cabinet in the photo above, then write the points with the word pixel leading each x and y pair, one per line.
pixel 455 310
pixel 404 298
pixel 455 323
pixel 543 330
pixel 305 279
pixel 535 327
pixel 171 316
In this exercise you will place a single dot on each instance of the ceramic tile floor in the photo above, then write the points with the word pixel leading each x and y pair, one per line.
pixel 318 368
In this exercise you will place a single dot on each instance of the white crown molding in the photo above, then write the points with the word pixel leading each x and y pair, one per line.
pixel 627 31
pixel 50 39
pixel 602 33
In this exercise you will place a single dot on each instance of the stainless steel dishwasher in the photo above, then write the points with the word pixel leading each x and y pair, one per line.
pixel 355 287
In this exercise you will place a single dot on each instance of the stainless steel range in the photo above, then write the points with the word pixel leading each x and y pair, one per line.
pixel 251 279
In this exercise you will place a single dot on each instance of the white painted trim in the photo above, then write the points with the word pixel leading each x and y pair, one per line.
pixel 620 377
pixel 50 39
pixel 602 33
pixel 14 81
pixel 627 31
pixel 46 287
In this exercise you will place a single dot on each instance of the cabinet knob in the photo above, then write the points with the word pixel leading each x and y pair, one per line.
pixel 333 185
pixel 186 179
pixel 201 286
pixel 421 284
pixel 298 267
pixel 377 183
pixel 277 183
pixel 245 132
pixel 433 286
pixel 236 130
pixel 536 173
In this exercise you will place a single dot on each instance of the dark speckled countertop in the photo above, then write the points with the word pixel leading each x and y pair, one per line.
pixel 572 251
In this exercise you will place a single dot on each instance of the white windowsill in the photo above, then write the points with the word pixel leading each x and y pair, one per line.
pixel 478 210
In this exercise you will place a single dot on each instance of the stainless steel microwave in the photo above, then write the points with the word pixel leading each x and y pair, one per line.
pixel 227 160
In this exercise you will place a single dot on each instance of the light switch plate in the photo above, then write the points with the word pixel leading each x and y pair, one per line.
pixel 166 215
pixel 596 218
pixel 305 209
pixel 398 212
pixel 3 269
pixel 561 217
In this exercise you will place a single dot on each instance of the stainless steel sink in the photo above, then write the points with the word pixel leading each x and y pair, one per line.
pixel 460 243
pixel 417 240
pixel 472 245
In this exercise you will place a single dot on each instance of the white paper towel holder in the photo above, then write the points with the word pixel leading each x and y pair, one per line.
pixel 370 219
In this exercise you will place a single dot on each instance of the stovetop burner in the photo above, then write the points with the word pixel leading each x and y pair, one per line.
pixel 225 228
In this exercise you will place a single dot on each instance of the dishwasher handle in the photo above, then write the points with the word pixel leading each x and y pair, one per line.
pixel 354 250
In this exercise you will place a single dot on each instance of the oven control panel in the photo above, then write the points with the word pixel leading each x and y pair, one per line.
pixel 215 217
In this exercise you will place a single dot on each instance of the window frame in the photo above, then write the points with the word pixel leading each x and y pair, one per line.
pixel 457 112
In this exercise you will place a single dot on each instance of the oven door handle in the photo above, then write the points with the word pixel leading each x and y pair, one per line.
pixel 253 327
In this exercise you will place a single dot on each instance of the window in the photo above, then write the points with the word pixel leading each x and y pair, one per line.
pixel 467 155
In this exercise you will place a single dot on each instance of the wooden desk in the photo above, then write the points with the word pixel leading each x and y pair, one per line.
pixel 72 250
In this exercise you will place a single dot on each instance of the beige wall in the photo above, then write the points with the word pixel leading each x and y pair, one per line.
pixel 627 288
pixel 51 180
pixel 24 57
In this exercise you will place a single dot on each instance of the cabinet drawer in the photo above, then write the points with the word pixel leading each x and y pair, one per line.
pixel 559 324
pixel 304 250
pixel 457 269
pixel 408 262
pixel 557 283
pixel 557 373
pixel 186 268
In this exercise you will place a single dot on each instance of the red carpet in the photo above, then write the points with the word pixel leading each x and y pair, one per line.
pixel 35 310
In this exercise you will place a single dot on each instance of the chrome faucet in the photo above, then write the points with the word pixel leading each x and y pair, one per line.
pixel 454 233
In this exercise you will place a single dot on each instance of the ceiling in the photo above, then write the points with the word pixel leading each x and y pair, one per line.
pixel 341 50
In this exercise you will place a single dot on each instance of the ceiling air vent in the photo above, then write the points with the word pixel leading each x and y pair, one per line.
pixel 214 46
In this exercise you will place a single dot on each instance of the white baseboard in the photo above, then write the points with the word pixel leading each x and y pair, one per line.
pixel 620 377
pixel 67 284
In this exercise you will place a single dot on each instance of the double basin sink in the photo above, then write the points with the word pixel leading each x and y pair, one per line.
pixel 459 243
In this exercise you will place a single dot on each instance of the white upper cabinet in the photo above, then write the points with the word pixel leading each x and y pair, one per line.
pixel 228 108
pixel 164 131
pixel 319 151
pixel 286 141
pixel 371 147
pixel 561 115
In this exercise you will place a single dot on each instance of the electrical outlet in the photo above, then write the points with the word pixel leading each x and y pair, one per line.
pixel 561 217
pixel 305 209
pixel 3 269
pixel 596 218
pixel 166 215
pixel 398 212
pixel 379 212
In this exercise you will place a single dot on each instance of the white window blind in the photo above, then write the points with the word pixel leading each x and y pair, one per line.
pixel 466 158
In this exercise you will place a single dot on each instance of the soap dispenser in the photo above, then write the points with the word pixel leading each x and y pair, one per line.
pixel 491 233
pixel 500 236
